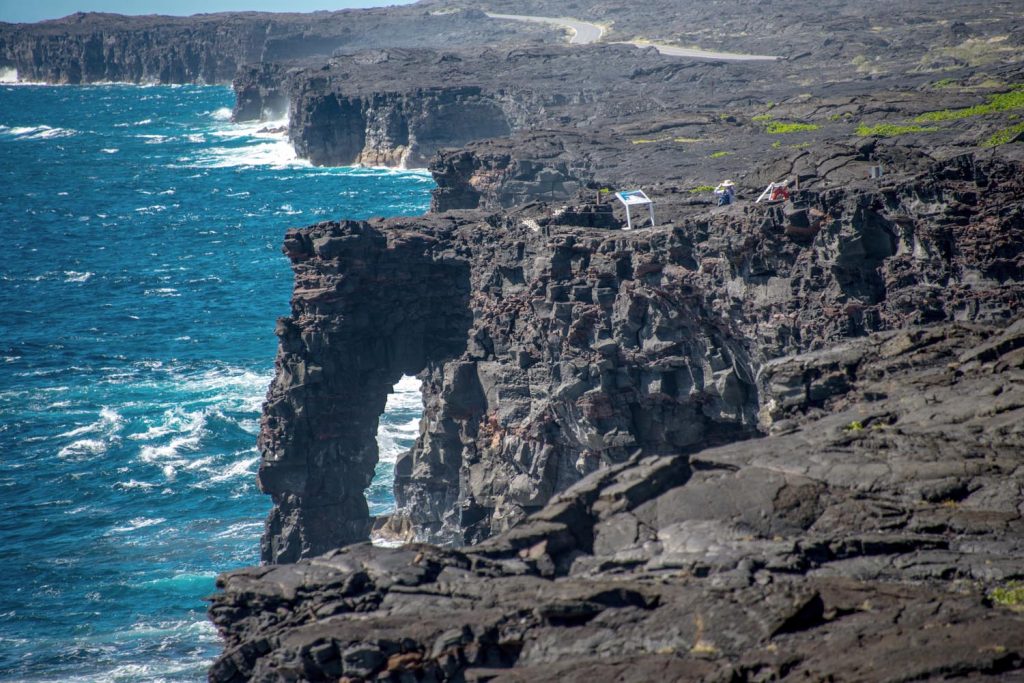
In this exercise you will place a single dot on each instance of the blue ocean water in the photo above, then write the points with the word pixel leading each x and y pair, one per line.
pixel 141 279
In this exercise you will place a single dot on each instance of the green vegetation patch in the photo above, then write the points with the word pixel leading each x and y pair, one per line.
pixel 1011 595
pixel 718 155
pixel 854 426
pixel 647 141
pixel 1004 136
pixel 761 117
pixel 889 130
pixel 784 128
pixel 996 103
pixel 702 188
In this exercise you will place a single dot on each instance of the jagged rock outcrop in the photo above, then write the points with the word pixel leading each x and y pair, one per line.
pixel 549 351
pixel 875 534
pixel 544 357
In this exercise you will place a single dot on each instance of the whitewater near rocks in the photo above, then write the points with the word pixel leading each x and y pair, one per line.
pixel 142 279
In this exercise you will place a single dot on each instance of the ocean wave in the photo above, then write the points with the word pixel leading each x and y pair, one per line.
pixel 405 395
pixel 162 291
pixel 135 524
pixel 277 154
pixel 36 132
pixel 267 130
pixel 222 114
pixel 106 428
pixel 238 469
pixel 109 422
pixel 242 530
pixel 161 672
pixel 189 582
pixel 153 139
pixel 133 484
pixel 75 276
pixel 171 451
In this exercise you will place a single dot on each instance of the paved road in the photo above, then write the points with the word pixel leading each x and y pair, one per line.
pixel 675 51
pixel 584 33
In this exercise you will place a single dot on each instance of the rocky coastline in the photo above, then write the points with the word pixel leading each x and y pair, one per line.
pixel 753 442
pixel 737 446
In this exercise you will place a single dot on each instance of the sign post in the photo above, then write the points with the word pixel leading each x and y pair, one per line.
pixel 631 198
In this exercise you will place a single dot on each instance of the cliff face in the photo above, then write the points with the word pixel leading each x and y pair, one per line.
pixel 549 351
pixel 875 534
pixel 742 445
pixel 209 48
pixel 401 106
pixel 96 48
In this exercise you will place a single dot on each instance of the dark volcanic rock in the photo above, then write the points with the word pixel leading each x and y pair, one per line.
pixel 754 442
pixel 398 107
pixel 861 540
pixel 209 48
pixel 550 351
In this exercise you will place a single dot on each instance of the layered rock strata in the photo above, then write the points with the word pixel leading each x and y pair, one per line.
pixel 399 107
pixel 549 351
pixel 875 534
pixel 210 48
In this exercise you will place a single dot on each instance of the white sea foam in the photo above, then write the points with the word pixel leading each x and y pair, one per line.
pixel 8 75
pixel 106 428
pixel 404 397
pixel 110 150
pixel 36 132
pixel 222 114
pixel 75 276
pixel 267 130
pixel 173 450
pixel 238 469
pixel 135 524
pixel 154 139
pixel 133 484
pixel 276 154
pixel 242 530
pixel 162 291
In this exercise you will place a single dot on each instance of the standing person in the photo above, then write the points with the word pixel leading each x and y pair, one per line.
pixel 726 192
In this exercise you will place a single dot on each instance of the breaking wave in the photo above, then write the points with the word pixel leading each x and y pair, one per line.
pixel 36 132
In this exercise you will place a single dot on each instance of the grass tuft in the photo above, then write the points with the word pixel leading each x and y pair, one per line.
pixel 1004 136
pixel 996 103
pixel 718 155
pixel 1011 595
pixel 783 128
pixel 889 130
pixel 702 188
